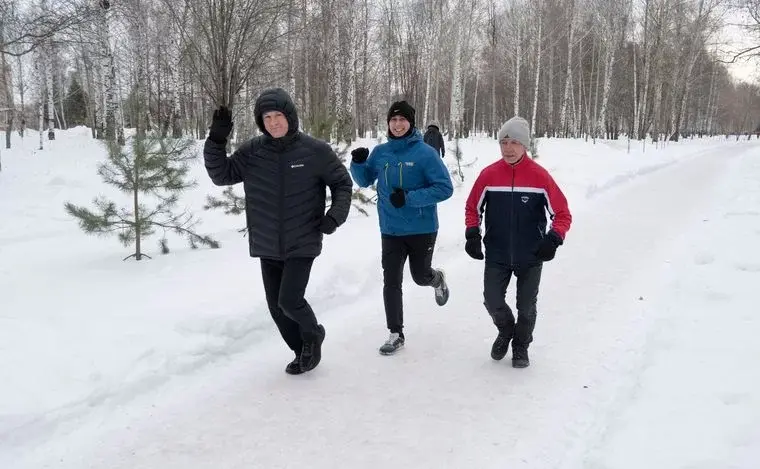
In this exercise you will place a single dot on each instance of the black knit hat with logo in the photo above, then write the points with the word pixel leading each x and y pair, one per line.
pixel 404 109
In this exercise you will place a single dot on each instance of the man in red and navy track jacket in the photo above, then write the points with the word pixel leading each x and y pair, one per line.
pixel 514 195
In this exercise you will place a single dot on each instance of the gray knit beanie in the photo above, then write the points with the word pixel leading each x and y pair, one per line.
pixel 516 128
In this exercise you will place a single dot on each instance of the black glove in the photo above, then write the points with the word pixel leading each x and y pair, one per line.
pixel 221 125
pixel 328 225
pixel 359 155
pixel 398 198
pixel 473 247
pixel 548 246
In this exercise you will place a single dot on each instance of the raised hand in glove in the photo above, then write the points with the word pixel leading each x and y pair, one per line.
pixel 473 246
pixel 547 248
pixel 328 225
pixel 221 125
pixel 398 198
pixel 359 155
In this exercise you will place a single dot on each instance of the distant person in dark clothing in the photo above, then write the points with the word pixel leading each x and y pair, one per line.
pixel 434 138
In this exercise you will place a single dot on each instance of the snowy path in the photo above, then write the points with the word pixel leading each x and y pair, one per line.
pixel 607 338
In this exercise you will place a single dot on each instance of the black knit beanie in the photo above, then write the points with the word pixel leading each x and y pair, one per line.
pixel 402 108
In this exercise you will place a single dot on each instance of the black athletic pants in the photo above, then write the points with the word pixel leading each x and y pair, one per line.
pixel 285 284
pixel 419 249
pixel 495 281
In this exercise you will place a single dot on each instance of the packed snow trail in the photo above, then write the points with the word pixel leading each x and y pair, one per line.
pixel 694 403
pixel 440 402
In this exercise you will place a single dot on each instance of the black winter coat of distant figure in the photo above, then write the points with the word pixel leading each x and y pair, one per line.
pixel 434 138
pixel 284 180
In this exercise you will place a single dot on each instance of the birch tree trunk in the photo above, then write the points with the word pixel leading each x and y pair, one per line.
pixel 22 95
pixel 7 76
pixel 62 94
pixel 176 119
pixel 493 39
pixel 549 126
pixel 49 90
pixel 108 74
pixel 635 123
pixel 606 90
pixel 538 74
pixel 518 59
pixel 473 126
pixel 456 87
pixel 41 89
pixel 642 112
pixel 577 124
pixel 711 100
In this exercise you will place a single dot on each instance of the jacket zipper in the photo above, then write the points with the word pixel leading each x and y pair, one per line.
pixel 512 222
pixel 281 205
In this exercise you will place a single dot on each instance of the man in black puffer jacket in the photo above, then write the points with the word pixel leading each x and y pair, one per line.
pixel 284 174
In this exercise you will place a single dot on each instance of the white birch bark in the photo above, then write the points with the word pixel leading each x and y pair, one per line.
pixel 538 73
pixel 609 63
pixel 473 124
pixel 568 72
pixel 635 123
pixel 108 74
pixel 518 60
pixel 456 86
pixel 41 90
pixel 49 91
pixel 711 100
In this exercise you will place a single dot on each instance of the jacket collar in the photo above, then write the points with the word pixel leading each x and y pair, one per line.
pixel 282 143
pixel 399 144
pixel 517 163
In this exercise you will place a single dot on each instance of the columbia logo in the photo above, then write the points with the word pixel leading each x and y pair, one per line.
pixel 296 166
pixel 409 163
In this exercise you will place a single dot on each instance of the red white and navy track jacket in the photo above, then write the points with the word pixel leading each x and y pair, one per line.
pixel 515 199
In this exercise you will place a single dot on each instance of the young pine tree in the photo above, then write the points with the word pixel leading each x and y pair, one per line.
pixel 150 169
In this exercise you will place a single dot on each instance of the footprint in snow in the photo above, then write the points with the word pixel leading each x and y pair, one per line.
pixel 704 258
pixel 748 267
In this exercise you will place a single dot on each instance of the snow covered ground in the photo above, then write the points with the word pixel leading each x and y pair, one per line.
pixel 644 351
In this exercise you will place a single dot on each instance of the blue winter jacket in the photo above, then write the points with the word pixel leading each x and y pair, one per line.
pixel 406 163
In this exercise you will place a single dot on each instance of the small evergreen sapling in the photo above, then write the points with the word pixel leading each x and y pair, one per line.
pixel 153 169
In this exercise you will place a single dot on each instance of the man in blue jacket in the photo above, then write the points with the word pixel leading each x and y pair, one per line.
pixel 411 181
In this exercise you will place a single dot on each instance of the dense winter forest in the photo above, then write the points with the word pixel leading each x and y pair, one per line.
pixel 578 68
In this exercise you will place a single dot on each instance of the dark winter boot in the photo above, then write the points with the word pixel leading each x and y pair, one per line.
pixel 393 344
pixel 294 367
pixel 441 289
pixel 520 357
pixel 500 346
pixel 311 353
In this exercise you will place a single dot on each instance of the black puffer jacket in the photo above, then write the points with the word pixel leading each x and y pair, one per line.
pixel 284 181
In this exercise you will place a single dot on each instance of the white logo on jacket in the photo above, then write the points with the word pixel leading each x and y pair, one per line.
pixel 524 199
